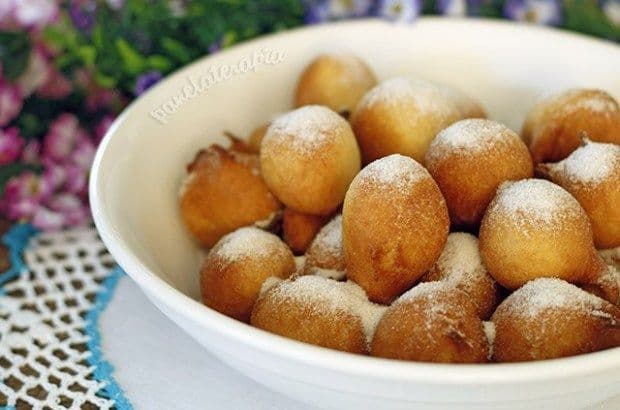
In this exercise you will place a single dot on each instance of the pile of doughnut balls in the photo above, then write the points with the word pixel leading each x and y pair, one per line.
pixel 393 219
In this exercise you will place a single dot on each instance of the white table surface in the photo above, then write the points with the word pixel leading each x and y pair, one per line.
pixel 160 367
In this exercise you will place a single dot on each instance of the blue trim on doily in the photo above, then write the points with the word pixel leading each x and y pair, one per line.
pixel 16 240
pixel 103 369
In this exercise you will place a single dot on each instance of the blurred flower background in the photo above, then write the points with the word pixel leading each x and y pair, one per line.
pixel 68 67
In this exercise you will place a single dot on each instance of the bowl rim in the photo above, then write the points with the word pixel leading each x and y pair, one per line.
pixel 314 356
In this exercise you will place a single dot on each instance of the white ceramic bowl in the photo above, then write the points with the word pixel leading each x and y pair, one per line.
pixel 140 164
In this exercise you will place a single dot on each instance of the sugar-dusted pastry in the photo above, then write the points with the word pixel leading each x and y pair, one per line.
pixel 592 175
pixel 319 311
pixel 555 125
pixel 432 322
pixel 337 81
pixel 299 229
pixel 549 318
pixel 469 160
pixel 308 158
pixel 223 191
pixel 461 267
pixel 235 269
pixel 394 226
pixel 533 229
pixel 325 256
pixel 605 283
pixel 402 115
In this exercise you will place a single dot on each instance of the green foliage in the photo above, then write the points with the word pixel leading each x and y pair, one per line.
pixel 14 53
pixel 586 16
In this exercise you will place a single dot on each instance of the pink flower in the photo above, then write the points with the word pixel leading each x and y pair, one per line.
pixel 57 86
pixel 30 153
pixel 6 11
pixel 10 102
pixel 116 4
pixel 77 180
pixel 23 194
pixel 83 154
pixel 47 220
pixel 37 73
pixel 75 212
pixel 11 145
pixel 62 137
pixel 54 174
pixel 35 13
pixel 102 127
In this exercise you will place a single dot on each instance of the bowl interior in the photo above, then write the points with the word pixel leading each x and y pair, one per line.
pixel 141 163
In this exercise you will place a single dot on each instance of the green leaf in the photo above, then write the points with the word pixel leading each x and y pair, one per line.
pixel 87 54
pixel 105 80
pixel 159 63
pixel 133 62
pixel 14 53
pixel 176 50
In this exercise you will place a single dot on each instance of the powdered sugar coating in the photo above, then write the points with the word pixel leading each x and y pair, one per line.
pixel 489 331
pixel 591 163
pixel 306 129
pixel 424 95
pixel 331 297
pixel 396 171
pixel 247 242
pixel 611 256
pixel 460 261
pixel 325 254
pixel 470 135
pixel 535 200
pixel 579 99
pixel 542 294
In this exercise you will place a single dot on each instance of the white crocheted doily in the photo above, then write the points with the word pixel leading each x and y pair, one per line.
pixel 49 347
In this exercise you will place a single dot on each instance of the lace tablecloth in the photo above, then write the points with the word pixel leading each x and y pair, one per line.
pixel 76 332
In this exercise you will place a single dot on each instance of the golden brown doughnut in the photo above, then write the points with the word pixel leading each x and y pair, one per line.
pixel 555 125
pixel 469 160
pixel 299 229
pixel 605 283
pixel 223 191
pixel 335 81
pixel 235 269
pixel 394 226
pixel 460 266
pixel 592 175
pixel 433 322
pixel 401 115
pixel 549 318
pixel 325 256
pixel 611 256
pixel 308 158
pixel 534 228
pixel 319 311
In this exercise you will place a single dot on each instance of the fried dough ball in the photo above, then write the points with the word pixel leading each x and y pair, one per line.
pixel 402 115
pixel 235 269
pixel 394 226
pixel 467 106
pixel 432 322
pixel 256 138
pixel 469 160
pixel 319 311
pixel 461 267
pixel 554 126
pixel 611 256
pixel 549 318
pixel 534 228
pixel 223 191
pixel 299 229
pixel 592 175
pixel 325 256
pixel 605 284
pixel 308 158
pixel 335 81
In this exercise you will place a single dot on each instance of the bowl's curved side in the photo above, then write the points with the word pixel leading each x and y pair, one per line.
pixel 139 166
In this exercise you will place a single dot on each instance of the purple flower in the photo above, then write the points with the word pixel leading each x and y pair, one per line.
pixel 404 11
pixel 10 102
pixel 73 210
pixel 611 8
pixel 146 81
pixel 83 154
pixel 452 7
pixel 7 7
pixel 83 14
pixel 11 145
pixel 56 87
pixel 62 137
pixel 215 46
pixel 35 13
pixel 47 219
pixel 543 12
pixel 77 180
pixel 337 9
